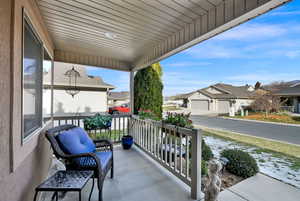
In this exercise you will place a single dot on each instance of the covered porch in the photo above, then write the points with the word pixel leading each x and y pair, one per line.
pixel 119 35
pixel 137 177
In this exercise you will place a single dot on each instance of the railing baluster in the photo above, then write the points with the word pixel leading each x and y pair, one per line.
pixel 119 128
pixel 170 147
pixel 180 153
pixel 115 133
pixel 165 144
pixel 187 156
pixel 175 150
pixel 161 143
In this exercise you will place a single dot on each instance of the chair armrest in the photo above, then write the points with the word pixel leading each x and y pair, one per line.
pixel 103 143
pixel 91 155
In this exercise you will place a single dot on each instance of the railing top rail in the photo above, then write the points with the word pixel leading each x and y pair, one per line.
pixel 185 131
pixel 86 116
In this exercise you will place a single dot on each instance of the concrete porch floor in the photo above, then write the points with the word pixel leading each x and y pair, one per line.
pixel 137 178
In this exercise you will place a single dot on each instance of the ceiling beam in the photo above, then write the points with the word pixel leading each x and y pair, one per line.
pixel 91 60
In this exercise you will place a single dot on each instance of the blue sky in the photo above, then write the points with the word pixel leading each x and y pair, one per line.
pixel 265 49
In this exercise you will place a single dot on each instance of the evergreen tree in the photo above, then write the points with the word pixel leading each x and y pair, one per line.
pixel 257 85
pixel 148 88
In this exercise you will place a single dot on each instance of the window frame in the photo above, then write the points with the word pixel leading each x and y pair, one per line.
pixel 36 130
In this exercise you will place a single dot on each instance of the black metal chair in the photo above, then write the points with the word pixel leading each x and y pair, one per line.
pixel 100 161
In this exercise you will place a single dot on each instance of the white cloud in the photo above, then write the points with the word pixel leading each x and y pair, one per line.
pixel 264 77
pixel 252 32
pixel 282 13
pixel 176 82
pixel 215 51
pixel 293 54
pixel 186 64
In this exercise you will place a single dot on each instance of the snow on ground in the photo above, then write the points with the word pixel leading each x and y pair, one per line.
pixel 270 164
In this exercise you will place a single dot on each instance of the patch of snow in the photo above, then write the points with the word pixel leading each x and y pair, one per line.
pixel 269 164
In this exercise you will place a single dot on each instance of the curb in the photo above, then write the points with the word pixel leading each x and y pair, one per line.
pixel 243 134
pixel 257 121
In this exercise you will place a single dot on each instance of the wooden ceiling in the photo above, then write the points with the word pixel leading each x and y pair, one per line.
pixel 123 34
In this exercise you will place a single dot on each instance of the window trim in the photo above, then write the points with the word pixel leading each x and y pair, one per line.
pixel 26 19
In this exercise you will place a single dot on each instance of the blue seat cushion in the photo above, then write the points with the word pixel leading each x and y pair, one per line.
pixel 75 141
pixel 89 162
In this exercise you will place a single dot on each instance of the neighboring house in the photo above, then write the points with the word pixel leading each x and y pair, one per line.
pixel 218 99
pixel 292 93
pixel 92 97
pixel 118 98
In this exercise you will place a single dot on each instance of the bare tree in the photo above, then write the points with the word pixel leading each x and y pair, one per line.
pixel 267 103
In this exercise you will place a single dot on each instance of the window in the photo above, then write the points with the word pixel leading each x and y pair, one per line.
pixel 32 80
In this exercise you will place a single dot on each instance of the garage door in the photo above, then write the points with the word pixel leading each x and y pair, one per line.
pixel 223 107
pixel 199 106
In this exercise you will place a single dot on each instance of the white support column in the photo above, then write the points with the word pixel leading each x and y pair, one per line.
pixel 131 88
pixel 196 166
pixel 52 91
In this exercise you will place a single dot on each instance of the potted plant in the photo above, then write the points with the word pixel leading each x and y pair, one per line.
pixel 97 122
pixel 127 141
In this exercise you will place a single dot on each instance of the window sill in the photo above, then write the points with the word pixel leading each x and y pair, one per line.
pixel 36 132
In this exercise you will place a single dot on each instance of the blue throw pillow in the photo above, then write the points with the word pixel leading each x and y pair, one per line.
pixel 76 141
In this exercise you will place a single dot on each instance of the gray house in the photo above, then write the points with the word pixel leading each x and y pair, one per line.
pixel 218 99
pixel 293 95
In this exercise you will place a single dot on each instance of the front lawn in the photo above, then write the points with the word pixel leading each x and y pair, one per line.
pixel 278 160
pixel 170 108
pixel 273 117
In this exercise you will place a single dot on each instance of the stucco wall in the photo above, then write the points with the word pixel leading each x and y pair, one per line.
pixel 83 102
pixel 23 164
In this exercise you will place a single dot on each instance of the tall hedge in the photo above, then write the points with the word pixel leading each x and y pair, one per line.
pixel 148 88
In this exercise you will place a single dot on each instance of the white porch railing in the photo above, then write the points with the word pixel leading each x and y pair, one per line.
pixel 177 149
pixel 288 108
pixel 118 128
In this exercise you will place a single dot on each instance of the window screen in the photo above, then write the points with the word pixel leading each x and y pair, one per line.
pixel 32 80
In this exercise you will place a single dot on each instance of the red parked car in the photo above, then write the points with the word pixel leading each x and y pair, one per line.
pixel 119 109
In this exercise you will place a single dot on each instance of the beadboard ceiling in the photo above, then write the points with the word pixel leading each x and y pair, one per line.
pixel 131 34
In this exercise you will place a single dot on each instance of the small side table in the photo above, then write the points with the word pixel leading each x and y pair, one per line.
pixel 64 181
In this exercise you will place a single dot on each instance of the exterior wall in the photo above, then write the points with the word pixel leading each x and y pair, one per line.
pixel 83 102
pixel 200 96
pixel 23 163
pixel 241 102
pixel 213 103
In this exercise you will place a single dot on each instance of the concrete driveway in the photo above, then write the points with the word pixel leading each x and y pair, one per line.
pixel 290 134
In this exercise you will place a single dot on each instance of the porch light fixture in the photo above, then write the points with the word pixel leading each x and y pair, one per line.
pixel 110 35
pixel 72 89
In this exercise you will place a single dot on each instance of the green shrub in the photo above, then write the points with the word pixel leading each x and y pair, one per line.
pixel 204 168
pixel 240 163
pixel 179 119
pixel 206 152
